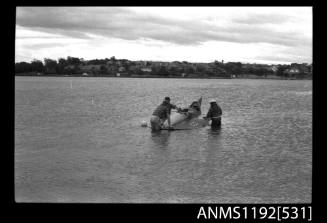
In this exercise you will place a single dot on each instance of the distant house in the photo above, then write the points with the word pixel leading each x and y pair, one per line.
pixel 300 68
pixel 293 71
pixel 121 69
pixel 90 68
pixel 146 69
pixel 118 74
pixel 274 68
pixel 85 74
pixel 161 63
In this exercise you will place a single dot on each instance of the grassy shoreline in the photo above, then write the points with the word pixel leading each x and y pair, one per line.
pixel 268 77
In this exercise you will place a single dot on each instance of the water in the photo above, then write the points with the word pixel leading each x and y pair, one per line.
pixel 81 140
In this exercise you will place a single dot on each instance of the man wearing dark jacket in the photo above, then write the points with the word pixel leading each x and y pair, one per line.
pixel 214 114
pixel 161 113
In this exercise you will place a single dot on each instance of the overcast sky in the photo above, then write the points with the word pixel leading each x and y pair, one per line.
pixel 273 35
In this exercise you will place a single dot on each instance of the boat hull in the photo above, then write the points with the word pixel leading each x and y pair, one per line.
pixel 186 120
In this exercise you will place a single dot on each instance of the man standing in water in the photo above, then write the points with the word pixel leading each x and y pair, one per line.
pixel 161 113
pixel 214 114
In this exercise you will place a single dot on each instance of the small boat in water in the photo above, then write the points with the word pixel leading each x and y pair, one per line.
pixel 187 118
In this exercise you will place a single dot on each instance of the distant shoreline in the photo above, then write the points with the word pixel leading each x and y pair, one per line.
pixel 269 77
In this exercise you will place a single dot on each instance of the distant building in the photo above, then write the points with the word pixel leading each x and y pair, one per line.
pixel 293 71
pixel 146 69
pixel 121 69
pixel 274 68
pixel 85 74
pixel 118 74
pixel 300 68
pixel 161 63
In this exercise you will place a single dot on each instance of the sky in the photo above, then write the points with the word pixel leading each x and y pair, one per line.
pixel 270 35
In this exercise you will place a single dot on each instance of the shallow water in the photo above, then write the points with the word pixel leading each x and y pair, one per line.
pixel 80 140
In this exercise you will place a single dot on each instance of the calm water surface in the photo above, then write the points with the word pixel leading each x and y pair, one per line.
pixel 81 140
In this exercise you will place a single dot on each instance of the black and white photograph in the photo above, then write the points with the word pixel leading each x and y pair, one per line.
pixel 168 105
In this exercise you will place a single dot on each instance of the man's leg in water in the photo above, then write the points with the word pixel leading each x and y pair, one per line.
pixel 155 123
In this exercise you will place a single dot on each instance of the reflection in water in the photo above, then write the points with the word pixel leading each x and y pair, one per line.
pixel 215 131
pixel 214 140
pixel 210 162
pixel 160 138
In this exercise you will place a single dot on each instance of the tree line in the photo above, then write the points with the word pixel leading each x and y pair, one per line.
pixel 112 67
